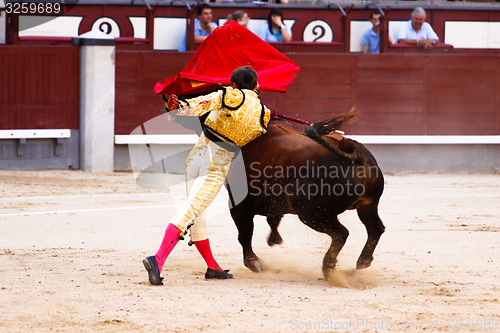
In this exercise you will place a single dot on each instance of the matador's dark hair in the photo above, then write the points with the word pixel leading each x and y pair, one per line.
pixel 244 77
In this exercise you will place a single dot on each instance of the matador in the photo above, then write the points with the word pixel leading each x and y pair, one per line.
pixel 235 117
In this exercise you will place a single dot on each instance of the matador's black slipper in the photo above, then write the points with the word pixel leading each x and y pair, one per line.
pixel 153 271
pixel 215 274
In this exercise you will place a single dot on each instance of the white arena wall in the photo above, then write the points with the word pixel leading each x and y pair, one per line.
pixel 395 154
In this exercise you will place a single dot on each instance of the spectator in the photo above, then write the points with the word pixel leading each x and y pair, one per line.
pixel 203 25
pixel 371 38
pixel 275 30
pixel 239 16
pixel 417 32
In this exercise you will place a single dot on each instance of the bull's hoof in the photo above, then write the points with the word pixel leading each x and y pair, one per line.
pixel 274 239
pixel 253 264
pixel 328 274
pixel 364 263
pixel 328 269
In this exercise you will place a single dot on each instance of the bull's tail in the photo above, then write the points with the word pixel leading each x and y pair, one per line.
pixel 336 122
pixel 316 131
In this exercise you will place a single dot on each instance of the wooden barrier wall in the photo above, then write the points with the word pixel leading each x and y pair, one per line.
pixel 420 94
pixel 40 87
pixel 395 94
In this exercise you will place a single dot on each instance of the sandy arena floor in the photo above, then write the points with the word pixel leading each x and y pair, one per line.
pixel 72 243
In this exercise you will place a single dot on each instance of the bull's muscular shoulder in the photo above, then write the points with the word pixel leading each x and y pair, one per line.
pixel 233 98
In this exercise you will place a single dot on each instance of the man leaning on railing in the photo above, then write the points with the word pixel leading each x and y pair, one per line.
pixel 418 32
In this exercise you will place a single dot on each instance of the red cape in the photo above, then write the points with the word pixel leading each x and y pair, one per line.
pixel 225 49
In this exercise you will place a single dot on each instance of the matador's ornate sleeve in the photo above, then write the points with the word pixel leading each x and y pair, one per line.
pixel 200 105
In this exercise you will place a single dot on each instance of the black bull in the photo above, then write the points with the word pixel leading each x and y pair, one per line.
pixel 316 175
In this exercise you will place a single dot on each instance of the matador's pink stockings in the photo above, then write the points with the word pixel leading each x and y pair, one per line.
pixel 168 243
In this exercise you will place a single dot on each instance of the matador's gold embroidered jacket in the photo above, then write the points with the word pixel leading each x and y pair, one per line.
pixel 236 116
